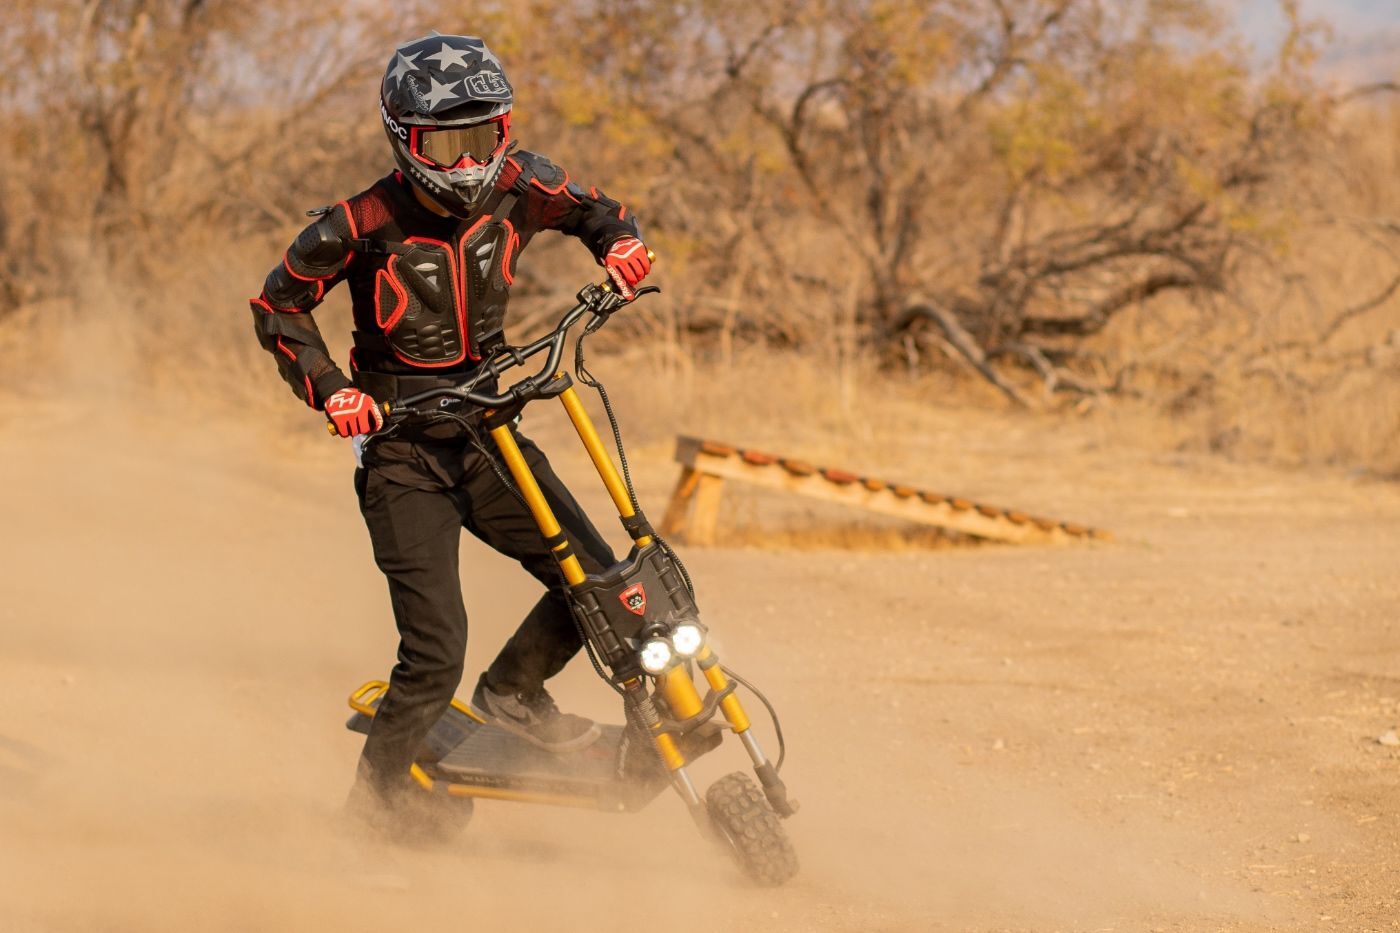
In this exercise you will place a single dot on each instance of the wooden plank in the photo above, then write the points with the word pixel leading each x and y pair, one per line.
pixel 673 522
pixel 957 515
pixel 705 519
pixel 687 448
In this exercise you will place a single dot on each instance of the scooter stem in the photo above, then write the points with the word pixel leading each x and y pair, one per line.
pixel 602 462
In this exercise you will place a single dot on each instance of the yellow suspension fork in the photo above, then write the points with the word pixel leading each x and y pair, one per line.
pixel 573 573
pixel 671 753
pixel 602 462
pixel 773 787
pixel 535 501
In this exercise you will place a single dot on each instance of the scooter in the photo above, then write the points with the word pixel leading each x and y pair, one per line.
pixel 641 630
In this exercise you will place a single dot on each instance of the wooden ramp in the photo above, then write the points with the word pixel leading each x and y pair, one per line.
pixel 705 465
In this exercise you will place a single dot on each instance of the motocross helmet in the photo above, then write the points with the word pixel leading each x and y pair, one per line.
pixel 445 102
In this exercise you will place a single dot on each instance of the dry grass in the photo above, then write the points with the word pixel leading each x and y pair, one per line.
pixel 836 409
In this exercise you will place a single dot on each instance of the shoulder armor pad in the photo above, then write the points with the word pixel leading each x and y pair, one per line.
pixel 321 249
pixel 539 172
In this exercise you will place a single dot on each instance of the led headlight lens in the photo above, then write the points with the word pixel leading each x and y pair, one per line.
pixel 687 639
pixel 656 654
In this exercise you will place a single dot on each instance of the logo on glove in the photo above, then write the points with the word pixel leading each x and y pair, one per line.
pixel 345 401
pixel 352 412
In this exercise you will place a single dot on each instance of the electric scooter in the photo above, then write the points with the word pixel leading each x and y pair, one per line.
pixel 641 630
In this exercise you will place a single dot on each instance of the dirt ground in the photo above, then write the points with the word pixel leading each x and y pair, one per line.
pixel 1176 731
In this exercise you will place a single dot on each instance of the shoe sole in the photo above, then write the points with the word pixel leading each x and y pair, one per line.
pixel 582 741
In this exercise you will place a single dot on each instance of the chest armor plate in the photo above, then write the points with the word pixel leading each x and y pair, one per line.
pixel 486 258
pixel 439 303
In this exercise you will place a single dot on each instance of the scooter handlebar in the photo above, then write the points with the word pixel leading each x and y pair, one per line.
pixel 600 299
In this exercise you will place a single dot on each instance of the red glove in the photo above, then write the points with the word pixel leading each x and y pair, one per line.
pixel 352 412
pixel 627 264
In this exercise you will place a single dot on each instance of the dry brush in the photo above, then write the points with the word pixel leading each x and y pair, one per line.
pixel 1070 199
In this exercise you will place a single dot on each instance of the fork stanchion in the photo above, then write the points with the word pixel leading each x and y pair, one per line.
pixel 534 499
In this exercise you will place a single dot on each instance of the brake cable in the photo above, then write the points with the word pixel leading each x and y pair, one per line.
pixel 772 714
pixel 586 376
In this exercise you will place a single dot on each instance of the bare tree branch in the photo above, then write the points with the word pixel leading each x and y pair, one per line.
pixel 962 341
pixel 1368 90
pixel 1097 317
pixel 1356 310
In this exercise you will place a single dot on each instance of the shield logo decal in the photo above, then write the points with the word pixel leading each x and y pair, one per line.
pixel 634 598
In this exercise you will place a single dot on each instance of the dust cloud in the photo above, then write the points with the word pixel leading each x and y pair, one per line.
pixel 1121 737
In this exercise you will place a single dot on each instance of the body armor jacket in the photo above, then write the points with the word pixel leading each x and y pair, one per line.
pixel 429 293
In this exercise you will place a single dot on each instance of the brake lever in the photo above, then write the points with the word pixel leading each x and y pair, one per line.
pixel 614 300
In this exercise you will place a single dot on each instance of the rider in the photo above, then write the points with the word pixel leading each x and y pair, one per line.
pixel 429 253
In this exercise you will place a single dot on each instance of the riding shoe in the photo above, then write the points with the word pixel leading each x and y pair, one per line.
pixel 533 716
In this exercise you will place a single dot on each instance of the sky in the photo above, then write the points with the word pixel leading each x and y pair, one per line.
pixel 1366 34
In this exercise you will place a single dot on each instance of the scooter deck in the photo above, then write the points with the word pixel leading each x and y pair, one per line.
pixel 481 760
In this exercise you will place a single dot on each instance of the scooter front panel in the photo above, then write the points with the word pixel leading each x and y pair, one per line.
pixel 618 605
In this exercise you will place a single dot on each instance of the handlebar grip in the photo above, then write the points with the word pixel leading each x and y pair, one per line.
pixel 383 406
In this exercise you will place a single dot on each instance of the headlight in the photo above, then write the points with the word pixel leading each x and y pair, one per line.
pixel 687 638
pixel 656 654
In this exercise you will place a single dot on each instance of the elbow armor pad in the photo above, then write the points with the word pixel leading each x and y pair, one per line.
pixel 302 358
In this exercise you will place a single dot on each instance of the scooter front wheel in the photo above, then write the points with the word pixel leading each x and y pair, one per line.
pixel 757 840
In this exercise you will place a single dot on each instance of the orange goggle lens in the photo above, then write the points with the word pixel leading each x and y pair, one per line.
pixel 447 147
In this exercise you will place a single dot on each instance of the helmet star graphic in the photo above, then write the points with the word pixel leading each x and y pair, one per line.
pixel 438 92
pixel 448 56
pixel 403 65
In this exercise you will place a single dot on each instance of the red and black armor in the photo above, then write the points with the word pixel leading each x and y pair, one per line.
pixel 429 292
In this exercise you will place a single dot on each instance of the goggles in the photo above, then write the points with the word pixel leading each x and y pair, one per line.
pixel 459 146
